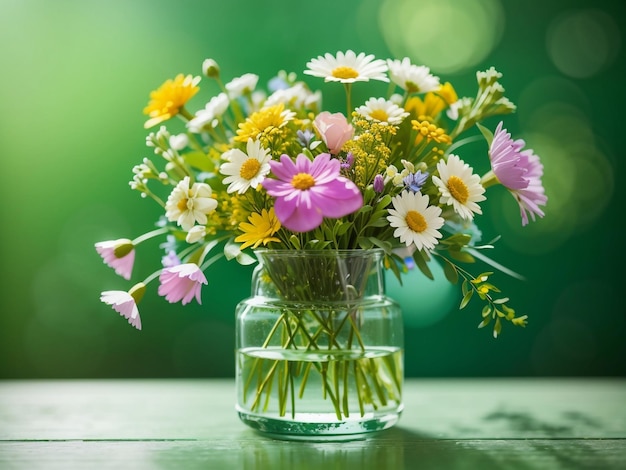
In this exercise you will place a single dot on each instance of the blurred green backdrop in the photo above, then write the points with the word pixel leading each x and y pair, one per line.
pixel 76 75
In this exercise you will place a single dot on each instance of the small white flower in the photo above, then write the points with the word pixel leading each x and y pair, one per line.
pixel 412 78
pixel 196 233
pixel 347 67
pixel 210 68
pixel 245 171
pixel 415 221
pixel 396 177
pixel 383 111
pixel 213 110
pixel 459 187
pixel 242 85
pixel 297 96
pixel 187 205
pixel 179 141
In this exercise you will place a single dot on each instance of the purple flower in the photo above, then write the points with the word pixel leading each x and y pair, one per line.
pixel 125 303
pixel 305 137
pixel 119 255
pixel 379 183
pixel 307 191
pixel 519 171
pixel 415 181
pixel 181 282
pixel 348 162
pixel 170 259
pixel 531 197
pixel 506 159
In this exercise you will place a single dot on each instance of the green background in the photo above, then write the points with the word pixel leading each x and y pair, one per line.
pixel 77 74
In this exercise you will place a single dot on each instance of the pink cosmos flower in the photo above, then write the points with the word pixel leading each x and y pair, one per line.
pixel 518 171
pixel 307 191
pixel 181 282
pixel 534 195
pixel 125 303
pixel 119 255
pixel 334 130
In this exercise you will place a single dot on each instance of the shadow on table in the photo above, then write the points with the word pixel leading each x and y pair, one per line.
pixel 396 449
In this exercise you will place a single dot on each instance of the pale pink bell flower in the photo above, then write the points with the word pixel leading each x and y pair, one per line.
pixel 119 255
pixel 181 282
pixel 125 303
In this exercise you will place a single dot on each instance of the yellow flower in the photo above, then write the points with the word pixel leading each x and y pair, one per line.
pixel 447 92
pixel 261 229
pixel 264 120
pixel 169 98
pixel 431 132
pixel 428 108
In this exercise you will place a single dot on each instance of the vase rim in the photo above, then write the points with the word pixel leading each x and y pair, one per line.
pixel 316 252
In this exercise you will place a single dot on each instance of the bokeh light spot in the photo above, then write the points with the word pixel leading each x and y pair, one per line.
pixel 423 34
pixel 582 43
pixel 423 301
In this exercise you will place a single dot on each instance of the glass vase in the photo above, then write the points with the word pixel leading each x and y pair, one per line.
pixel 319 346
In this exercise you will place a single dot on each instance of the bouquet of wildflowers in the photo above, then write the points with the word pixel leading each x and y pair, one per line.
pixel 273 169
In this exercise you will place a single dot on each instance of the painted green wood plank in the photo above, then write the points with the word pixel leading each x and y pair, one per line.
pixel 204 409
pixel 400 450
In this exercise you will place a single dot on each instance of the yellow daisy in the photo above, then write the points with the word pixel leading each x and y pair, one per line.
pixel 169 98
pixel 261 229
pixel 265 119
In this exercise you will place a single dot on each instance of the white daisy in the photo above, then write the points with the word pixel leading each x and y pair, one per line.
pixel 187 204
pixel 381 110
pixel 415 221
pixel 296 96
pixel 242 85
pixel 213 110
pixel 347 67
pixel 459 187
pixel 245 171
pixel 412 78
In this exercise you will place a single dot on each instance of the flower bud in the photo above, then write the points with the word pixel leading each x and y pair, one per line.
pixel 210 68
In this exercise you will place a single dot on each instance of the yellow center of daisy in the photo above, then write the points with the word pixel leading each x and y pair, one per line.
pixel 182 204
pixel 458 189
pixel 380 115
pixel 344 72
pixel 302 181
pixel 411 87
pixel 249 169
pixel 416 221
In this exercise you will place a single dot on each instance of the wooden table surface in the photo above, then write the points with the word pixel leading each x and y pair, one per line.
pixel 188 424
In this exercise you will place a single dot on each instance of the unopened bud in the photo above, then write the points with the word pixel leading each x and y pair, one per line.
pixel 210 68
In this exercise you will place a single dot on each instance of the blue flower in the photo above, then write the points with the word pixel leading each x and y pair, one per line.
pixel 415 181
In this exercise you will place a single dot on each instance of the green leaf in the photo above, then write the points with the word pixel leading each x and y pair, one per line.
pixel 503 300
pixel 485 322
pixel 245 259
pixel 486 133
pixel 295 241
pixel 466 298
pixel 486 310
pixel 462 256
pixel 465 287
pixel 341 228
pixel 460 239
pixel 364 243
pixel 450 271
pixel 418 256
pixel 199 160
pixel 497 328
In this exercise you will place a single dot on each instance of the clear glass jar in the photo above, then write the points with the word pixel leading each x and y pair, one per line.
pixel 319 346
